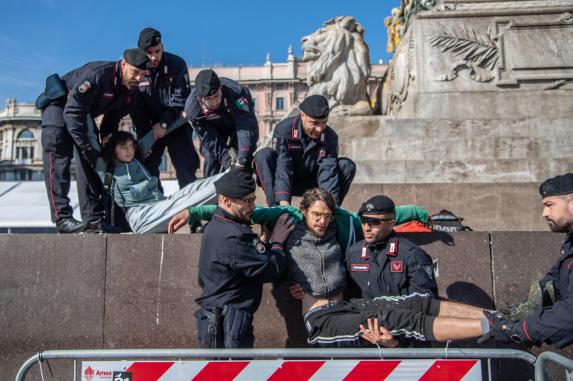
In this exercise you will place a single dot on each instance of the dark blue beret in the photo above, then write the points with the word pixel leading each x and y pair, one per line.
pixel 557 186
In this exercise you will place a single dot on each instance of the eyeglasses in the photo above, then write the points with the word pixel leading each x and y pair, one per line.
pixel 373 221
pixel 317 216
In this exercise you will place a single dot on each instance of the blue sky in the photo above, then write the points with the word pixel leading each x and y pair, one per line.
pixel 41 37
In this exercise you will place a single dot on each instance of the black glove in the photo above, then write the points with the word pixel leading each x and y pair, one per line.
pixel 501 329
pixel 89 154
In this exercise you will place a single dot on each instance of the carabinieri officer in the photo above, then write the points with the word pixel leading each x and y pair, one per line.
pixel 304 155
pixel 222 113
pixel 234 263
pixel 69 106
pixel 384 264
pixel 164 91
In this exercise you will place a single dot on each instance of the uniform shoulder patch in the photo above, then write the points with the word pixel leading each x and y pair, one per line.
pixel 85 86
pixel 242 104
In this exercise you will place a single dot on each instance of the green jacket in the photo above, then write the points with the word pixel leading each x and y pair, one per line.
pixel 349 228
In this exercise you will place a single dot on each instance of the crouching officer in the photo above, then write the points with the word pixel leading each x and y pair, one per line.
pixel 233 265
pixel 384 264
pixel 304 155
pixel 164 91
pixel 222 113
pixel 552 322
pixel 68 106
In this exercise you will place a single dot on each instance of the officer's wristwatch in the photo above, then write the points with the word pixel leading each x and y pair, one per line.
pixel 163 125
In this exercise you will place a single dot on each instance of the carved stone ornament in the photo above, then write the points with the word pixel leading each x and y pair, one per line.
pixel 475 51
pixel 338 65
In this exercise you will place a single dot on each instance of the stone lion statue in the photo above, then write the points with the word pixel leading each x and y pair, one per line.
pixel 338 64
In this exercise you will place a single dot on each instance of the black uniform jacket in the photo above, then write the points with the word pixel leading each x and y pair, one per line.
pixel 234 263
pixel 163 94
pixel 95 89
pixel 554 324
pixel 392 267
pixel 234 118
pixel 304 160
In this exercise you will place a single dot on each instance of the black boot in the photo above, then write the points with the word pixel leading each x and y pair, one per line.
pixel 197 227
pixel 100 226
pixel 69 225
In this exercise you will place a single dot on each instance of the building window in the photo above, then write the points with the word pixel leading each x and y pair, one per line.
pixel 280 103
pixel 24 152
pixel 25 134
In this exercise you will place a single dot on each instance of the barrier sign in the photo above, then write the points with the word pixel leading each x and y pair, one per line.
pixel 283 370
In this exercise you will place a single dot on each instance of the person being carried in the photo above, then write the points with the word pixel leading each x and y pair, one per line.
pixel 316 263
pixel 147 210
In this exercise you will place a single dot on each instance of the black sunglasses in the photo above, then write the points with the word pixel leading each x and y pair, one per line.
pixel 373 221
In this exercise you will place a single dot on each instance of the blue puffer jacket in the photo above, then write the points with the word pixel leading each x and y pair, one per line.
pixel 134 185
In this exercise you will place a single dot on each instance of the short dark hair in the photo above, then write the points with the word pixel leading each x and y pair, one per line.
pixel 318 194
pixel 116 139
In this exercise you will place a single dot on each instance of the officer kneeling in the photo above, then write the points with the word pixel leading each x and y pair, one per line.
pixel 304 155
pixel 233 265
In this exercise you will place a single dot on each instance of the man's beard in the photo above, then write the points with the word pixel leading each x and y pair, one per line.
pixel 560 228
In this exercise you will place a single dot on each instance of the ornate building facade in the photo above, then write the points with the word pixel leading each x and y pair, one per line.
pixel 20 146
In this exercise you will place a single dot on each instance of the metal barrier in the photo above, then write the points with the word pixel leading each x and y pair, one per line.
pixel 565 362
pixel 306 353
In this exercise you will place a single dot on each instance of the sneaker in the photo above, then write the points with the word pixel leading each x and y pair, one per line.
pixel 522 310
pixel 100 227
pixel 69 225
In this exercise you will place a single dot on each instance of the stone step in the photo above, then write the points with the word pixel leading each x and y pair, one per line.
pixel 458 171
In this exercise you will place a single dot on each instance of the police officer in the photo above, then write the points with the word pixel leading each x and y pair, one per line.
pixel 304 155
pixel 383 264
pixel 552 322
pixel 233 264
pixel 222 113
pixel 68 106
pixel 164 91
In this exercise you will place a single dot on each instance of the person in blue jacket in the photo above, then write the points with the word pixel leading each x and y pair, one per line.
pixel 304 155
pixel 552 322
pixel 137 192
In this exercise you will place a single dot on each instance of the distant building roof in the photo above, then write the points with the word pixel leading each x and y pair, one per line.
pixel 21 111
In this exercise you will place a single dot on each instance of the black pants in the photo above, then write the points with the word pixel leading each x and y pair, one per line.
pixel 58 151
pixel 182 152
pixel 234 330
pixel 215 149
pixel 337 324
pixel 266 166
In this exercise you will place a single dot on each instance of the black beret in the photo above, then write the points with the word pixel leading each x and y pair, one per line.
pixel 377 205
pixel 557 186
pixel 148 37
pixel 136 57
pixel 235 184
pixel 207 83
pixel 315 106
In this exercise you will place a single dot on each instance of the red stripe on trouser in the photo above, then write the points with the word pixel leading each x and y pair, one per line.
pixel 220 371
pixel 296 370
pixel 51 155
pixel 149 371
pixel 444 370
pixel 371 370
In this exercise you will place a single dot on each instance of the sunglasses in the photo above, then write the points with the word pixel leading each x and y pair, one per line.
pixel 373 221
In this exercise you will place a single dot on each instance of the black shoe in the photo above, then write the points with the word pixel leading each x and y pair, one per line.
pixel 197 227
pixel 69 225
pixel 99 227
